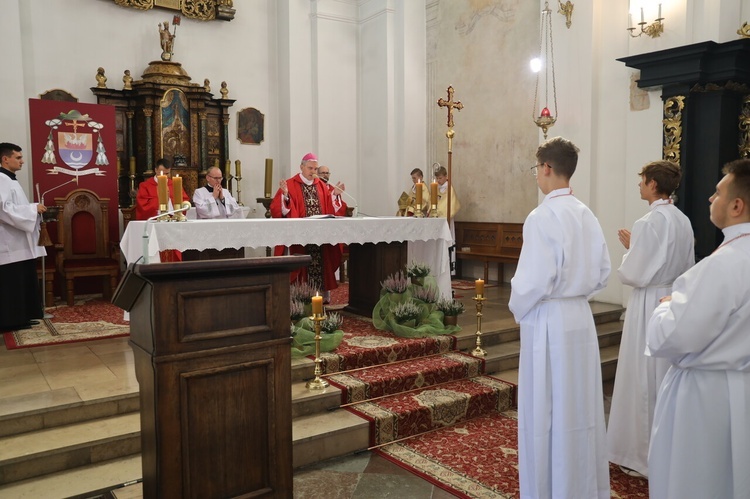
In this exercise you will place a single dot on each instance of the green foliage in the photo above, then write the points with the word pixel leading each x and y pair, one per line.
pixel 450 306
pixel 417 269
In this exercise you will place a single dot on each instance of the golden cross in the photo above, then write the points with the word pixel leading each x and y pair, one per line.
pixel 450 104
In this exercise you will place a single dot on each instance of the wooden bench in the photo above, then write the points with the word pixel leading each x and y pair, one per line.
pixel 488 242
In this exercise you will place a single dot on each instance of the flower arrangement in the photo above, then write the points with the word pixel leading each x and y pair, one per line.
pixel 406 311
pixel 332 322
pixel 302 291
pixel 427 294
pixel 450 306
pixel 417 269
pixel 297 310
pixel 395 283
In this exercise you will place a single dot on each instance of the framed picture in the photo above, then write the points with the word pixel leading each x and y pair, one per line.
pixel 250 126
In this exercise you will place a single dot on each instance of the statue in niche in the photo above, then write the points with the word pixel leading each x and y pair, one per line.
pixel 167 41
pixel 101 80
pixel 127 80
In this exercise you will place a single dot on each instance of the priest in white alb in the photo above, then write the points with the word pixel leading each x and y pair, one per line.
pixel 700 441
pixel 564 260
pixel 213 201
pixel 660 248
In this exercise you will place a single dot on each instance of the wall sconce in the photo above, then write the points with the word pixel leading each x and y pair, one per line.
pixel 654 30
pixel 566 9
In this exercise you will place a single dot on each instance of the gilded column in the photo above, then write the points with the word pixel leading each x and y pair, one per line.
pixel 744 126
pixel 225 122
pixel 204 140
pixel 672 122
pixel 129 115
pixel 148 113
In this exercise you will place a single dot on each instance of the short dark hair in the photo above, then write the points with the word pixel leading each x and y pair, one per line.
pixel 560 154
pixel 165 162
pixel 7 149
pixel 667 175
pixel 740 187
pixel 441 172
pixel 418 172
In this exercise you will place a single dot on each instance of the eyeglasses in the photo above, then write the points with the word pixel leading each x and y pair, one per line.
pixel 535 169
pixel 215 178
pixel 324 173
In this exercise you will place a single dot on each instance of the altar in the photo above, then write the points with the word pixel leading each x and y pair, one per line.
pixel 378 251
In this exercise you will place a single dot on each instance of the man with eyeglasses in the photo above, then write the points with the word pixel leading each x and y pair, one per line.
pixel 302 196
pixel 213 201
pixel 324 174
pixel 564 260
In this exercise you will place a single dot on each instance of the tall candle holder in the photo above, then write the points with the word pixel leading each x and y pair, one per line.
pixel 433 210
pixel 239 190
pixel 266 202
pixel 479 351
pixel 132 189
pixel 317 383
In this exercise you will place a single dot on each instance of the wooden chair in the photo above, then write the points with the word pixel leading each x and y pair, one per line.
pixel 84 246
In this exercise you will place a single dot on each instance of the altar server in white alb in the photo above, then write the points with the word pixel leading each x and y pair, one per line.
pixel 700 441
pixel 660 248
pixel 213 201
pixel 564 260
pixel 20 301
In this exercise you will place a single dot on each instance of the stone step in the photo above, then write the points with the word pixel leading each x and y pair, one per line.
pixel 55 449
pixel 81 481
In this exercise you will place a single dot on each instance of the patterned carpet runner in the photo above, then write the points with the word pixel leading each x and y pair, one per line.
pixel 389 379
pixel 89 319
pixel 365 346
pixel 478 458
pixel 412 413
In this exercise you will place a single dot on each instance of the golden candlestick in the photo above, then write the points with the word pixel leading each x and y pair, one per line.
pixel 478 351
pixel 132 188
pixel 318 383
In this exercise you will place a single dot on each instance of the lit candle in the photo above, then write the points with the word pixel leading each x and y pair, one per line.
pixel 162 191
pixel 480 287
pixel 269 177
pixel 434 193
pixel 227 172
pixel 317 305
pixel 237 169
pixel 419 195
pixel 176 192
pixel 132 165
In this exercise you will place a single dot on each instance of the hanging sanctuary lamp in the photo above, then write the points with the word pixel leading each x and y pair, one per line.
pixel 545 64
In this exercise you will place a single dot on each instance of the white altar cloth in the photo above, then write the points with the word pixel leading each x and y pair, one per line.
pixel 428 238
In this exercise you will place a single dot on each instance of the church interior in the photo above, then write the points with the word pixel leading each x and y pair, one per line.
pixel 357 83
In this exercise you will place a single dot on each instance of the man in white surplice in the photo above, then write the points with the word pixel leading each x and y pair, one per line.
pixel 700 441
pixel 564 260
pixel 213 201
pixel 660 248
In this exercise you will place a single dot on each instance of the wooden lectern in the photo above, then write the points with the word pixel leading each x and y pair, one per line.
pixel 212 354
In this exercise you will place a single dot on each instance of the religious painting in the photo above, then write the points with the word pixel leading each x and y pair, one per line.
pixel 250 126
pixel 175 124
pixel 73 146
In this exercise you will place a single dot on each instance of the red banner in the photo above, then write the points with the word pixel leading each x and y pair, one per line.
pixel 72 140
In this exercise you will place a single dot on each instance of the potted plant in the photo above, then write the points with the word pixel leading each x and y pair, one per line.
pixel 395 283
pixel 406 313
pixel 451 309
pixel 417 271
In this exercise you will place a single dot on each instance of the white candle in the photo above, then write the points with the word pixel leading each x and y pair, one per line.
pixel 659 11
pixel 630 20
pixel 642 14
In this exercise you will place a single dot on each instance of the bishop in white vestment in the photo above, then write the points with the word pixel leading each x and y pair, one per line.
pixel 660 249
pixel 700 441
pixel 564 260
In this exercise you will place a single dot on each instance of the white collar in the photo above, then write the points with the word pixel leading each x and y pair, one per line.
pixel 307 182
pixel 659 202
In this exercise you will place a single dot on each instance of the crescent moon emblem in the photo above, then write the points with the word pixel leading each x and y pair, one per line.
pixel 73 156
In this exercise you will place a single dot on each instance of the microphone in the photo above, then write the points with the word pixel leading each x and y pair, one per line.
pixel 185 207
pixel 355 211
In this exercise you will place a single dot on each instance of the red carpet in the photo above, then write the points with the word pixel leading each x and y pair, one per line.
pixel 365 346
pixel 339 297
pixel 389 379
pixel 408 414
pixel 478 458
pixel 90 319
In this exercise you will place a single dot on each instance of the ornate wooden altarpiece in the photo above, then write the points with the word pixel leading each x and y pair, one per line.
pixel 165 115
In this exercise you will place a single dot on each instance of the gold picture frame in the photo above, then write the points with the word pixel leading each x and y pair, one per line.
pixel 250 125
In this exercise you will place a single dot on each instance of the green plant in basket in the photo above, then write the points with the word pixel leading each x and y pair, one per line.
pixel 417 269
pixel 395 283
pixel 427 294
pixel 332 322
pixel 405 312
pixel 450 306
